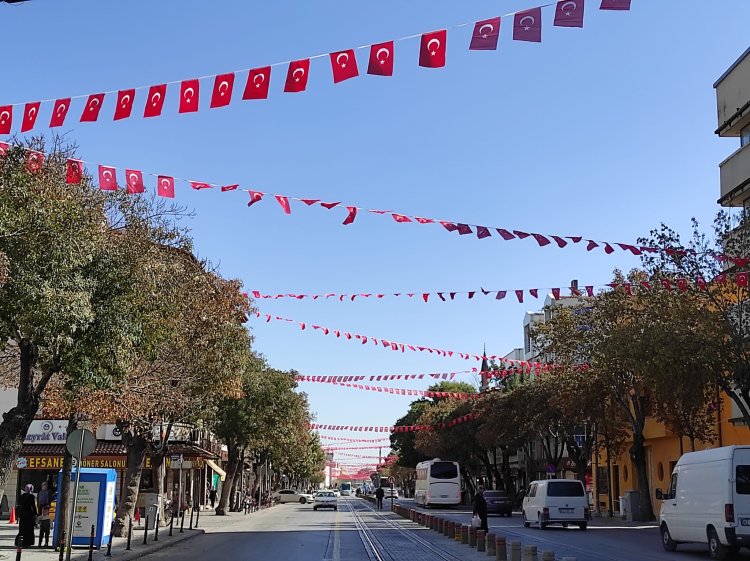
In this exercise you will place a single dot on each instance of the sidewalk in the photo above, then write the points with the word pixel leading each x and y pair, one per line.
pixel 208 523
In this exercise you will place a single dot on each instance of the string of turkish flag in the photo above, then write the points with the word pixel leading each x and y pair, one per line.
pixel 392 429
pixel 342 439
pixel 134 184
pixel 527 26
pixel 524 366
pixel 399 391
pixel 381 377
pixel 337 448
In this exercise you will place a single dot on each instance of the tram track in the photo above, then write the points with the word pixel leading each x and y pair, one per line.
pixel 376 549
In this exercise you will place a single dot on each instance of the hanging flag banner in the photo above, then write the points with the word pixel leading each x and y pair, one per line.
pixel 392 429
pixel 387 377
pixel 527 26
pixel 399 391
pixel 339 438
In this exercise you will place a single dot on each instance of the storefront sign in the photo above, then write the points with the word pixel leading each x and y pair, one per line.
pixel 47 431
pixel 56 462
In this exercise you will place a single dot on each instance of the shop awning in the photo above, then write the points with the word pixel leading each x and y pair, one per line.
pixel 217 469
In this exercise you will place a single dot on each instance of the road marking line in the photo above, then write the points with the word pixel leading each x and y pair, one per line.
pixel 336 537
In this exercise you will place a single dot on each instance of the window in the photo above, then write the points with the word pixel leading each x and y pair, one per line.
pixel 743 480
pixel 745 136
pixel 532 491
pixel 660 471
pixel 602 480
pixel 444 470
pixel 565 489
pixel 672 491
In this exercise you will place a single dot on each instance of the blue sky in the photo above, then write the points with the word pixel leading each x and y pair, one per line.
pixel 603 132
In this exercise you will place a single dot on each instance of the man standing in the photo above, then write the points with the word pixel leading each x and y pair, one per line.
pixel 480 507
pixel 212 495
pixel 379 494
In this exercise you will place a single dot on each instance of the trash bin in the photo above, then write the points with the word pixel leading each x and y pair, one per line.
pixel 624 505
pixel 633 499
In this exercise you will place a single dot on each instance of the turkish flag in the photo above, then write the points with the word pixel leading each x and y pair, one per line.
pixel 741 279
pixel 344 65
pixel 30 113
pixel 527 26
pixel 198 185
pixel 107 179
pixel 155 101
pixel 234 187
pixel 125 99
pixel 189 91
pixel 134 181
pixel 284 202
pixel 3 148
pixel 486 35
pixel 59 112
pixel 258 81
pixel 73 172
pixel 433 48
pixel 381 59
pixel 6 118
pixel 351 216
pixel 165 186
pixel 615 5
pixel 296 76
pixel 222 94
pixel 255 197
pixel 34 161
pixel 569 14
pixel 93 106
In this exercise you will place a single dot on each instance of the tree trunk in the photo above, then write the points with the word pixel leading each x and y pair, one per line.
pixel 609 475
pixel 234 500
pixel 136 455
pixel 226 488
pixel 17 421
pixel 63 493
pixel 638 455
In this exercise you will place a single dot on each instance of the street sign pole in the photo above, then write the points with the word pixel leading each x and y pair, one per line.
pixel 72 516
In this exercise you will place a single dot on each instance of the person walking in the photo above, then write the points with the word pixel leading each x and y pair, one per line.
pixel 379 494
pixel 212 496
pixel 480 508
pixel 26 510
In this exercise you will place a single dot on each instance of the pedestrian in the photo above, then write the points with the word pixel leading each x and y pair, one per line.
pixel 480 507
pixel 212 496
pixel 43 498
pixel 247 501
pixel 257 498
pixel 44 525
pixel 379 494
pixel 26 510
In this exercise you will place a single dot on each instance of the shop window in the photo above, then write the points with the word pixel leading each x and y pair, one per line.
pixel 625 473
pixel 602 480
pixel 660 471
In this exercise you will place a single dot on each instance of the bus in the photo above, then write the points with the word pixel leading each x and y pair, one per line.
pixel 345 488
pixel 438 483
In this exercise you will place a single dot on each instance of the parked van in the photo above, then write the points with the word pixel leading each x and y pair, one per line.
pixel 708 501
pixel 556 501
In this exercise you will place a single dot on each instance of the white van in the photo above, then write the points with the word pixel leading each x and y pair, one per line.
pixel 556 501
pixel 708 501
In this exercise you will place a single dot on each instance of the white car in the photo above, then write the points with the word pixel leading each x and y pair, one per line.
pixel 292 496
pixel 391 492
pixel 337 492
pixel 326 499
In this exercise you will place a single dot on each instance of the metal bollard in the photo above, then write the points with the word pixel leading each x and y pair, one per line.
pixel 197 515
pixel 91 543
pixel 515 550
pixel 145 532
pixel 440 524
pixel 62 545
pixel 465 534
pixel 457 532
pixel 130 532
pixel 501 551
pixel 191 520
pixel 482 541
pixel 182 522
pixel 548 555
pixel 447 528
pixel 491 545
pixel 472 537
pixel 19 551
pixel 171 524
pixel 529 553
pixel 156 531
pixel 109 543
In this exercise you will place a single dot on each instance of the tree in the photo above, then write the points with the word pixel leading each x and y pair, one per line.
pixel 66 305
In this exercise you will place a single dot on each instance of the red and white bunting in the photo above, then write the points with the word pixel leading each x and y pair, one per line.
pixel 384 377
pixel 395 429
pixel 393 391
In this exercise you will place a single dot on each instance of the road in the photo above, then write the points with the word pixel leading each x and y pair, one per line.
pixel 356 532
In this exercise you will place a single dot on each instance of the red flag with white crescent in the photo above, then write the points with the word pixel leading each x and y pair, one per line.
pixel 125 99
pixel 134 181
pixel 189 96
pixel 6 119
pixel 107 178
pixel 284 203
pixel 255 197
pixel 93 107
pixel 258 81
pixel 527 26
pixel 296 76
pixel 30 113
pixel 59 112
pixel 73 172
pixel 486 35
pixel 381 59
pixel 34 161
pixel 569 13
pixel 344 65
pixel 155 101
pixel 433 49
pixel 165 186
pixel 222 94
pixel 3 148
pixel 351 216
pixel 615 5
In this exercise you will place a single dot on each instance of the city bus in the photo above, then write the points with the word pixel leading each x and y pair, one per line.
pixel 345 488
pixel 438 483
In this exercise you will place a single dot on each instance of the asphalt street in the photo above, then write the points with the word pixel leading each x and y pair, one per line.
pixel 356 532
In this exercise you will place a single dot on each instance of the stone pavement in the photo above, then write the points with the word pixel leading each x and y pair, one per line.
pixel 208 523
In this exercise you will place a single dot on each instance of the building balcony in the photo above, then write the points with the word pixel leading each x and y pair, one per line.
pixel 735 178
pixel 733 97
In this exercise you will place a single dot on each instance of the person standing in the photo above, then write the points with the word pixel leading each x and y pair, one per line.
pixel 212 496
pixel 379 494
pixel 26 510
pixel 480 507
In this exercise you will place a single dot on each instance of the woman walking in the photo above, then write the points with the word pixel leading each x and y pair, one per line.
pixel 26 510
